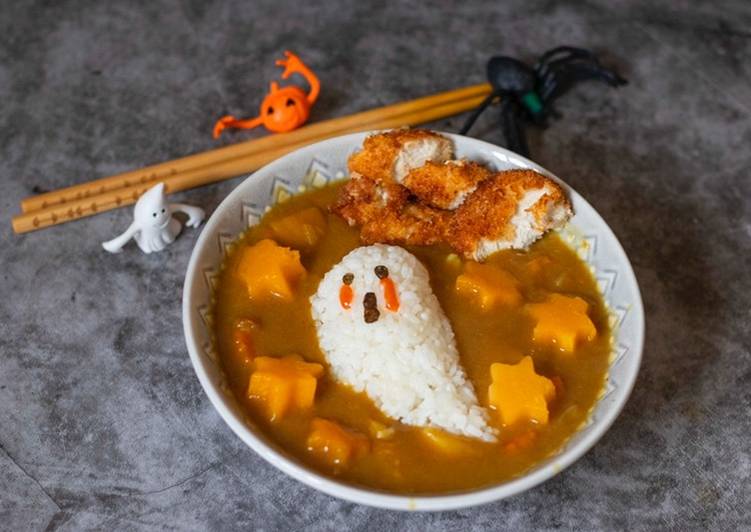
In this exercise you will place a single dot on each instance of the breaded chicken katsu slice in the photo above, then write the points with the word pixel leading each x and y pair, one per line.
pixel 405 189
pixel 388 157
pixel 414 225
pixel 510 209
pixel 445 185
pixel 387 213
pixel 362 199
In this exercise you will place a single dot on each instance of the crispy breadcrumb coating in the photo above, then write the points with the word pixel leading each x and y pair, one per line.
pixel 388 157
pixel 511 209
pixel 445 185
pixel 388 214
pixel 460 203
pixel 414 225
pixel 363 198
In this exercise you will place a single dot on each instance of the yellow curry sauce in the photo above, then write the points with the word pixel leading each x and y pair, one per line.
pixel 407 461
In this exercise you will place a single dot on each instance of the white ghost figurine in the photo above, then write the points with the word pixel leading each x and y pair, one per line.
pixel 154 227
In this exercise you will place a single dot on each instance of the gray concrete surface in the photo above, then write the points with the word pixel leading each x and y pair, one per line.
pixel 103 424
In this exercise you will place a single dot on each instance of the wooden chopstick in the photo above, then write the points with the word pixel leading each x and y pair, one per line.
pixel 225 168
pixel 157 172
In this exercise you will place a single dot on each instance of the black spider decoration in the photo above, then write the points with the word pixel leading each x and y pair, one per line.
pixel 527 94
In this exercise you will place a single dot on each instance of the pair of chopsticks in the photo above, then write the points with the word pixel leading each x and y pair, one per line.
pixel 86 199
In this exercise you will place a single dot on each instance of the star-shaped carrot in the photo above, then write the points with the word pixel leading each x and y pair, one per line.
pixel 520 394
pixel 562 321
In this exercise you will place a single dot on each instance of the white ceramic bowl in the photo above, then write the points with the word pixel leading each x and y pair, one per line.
pixel 314 166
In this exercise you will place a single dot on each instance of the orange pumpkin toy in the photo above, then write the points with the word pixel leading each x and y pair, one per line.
pixel 283 109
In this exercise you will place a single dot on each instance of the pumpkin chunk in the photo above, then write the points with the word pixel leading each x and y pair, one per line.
pixel 562 321
pixel 282 385
pixel 270 271
pixel 301 230
pixel 334 444
pixel 520 394
pixel 488 285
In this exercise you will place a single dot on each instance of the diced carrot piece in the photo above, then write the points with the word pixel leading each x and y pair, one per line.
pixel 335 444
pixel 522 441
pixel 242 336
pixel 520 394
pixel 562 321
pixel 282 385
pixel 301 230
pixel 270 271
pixel 389 294
pixel 346 294
pixel 488 285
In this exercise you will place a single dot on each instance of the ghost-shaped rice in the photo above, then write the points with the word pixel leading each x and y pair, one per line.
pixel 384 333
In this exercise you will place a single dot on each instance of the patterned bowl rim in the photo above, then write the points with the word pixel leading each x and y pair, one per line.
pixel 617 393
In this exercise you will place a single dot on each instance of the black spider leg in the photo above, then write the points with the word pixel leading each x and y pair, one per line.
pixel 552 83
pixel 513 118
pixel 544 69
pixel 562 76
pixel 567 53
pixel 478 111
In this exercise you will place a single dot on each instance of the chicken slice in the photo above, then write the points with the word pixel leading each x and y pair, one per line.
pixel 445 185
pixel 414 225
pixel 511 209
pixel 388 157
pixel 387 213
pixel 362 199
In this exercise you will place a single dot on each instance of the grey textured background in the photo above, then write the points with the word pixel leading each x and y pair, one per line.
pixel 103 424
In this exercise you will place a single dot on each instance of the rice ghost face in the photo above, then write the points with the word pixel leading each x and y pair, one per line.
pixel 383 332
